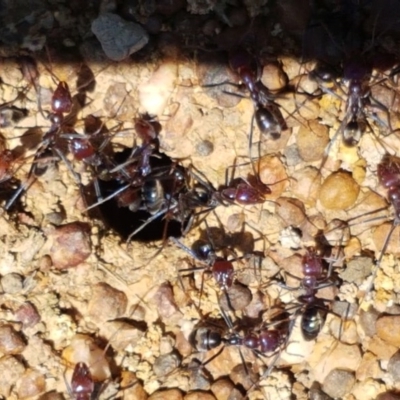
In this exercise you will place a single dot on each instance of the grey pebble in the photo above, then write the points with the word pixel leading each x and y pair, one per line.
pixel 357 270
pixel 165 364
pixel 394 367
pixel 338 383
pixel 12 283
pixel 119 38
pixel 368 321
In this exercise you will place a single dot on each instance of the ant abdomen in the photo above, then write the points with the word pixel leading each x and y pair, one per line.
pixel 204 339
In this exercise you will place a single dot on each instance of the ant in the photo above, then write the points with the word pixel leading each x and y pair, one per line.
pixel 61 103
pixel 266 341
pixel 357 69
pixel 389 177
pixel 313 310
pixel 220 267
pixel 267 114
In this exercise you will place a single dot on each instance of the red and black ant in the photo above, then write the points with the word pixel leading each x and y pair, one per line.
pixel 312 309
pixel 269 340
pixel 267 114
pixel 61 103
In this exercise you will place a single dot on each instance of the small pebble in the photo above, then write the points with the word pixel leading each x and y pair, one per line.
pixel 212 75
pixel 204 148
pixel 237 297
pixel 338 383
pixel 291 210
pixel 273 77
pixel 368 321
pixel 198 378
pixel 53 395
pixel 312 141
pixel 292 155
pixel 12 283
pixel 71 245
pixel 11 341
pixel 343 309
pixel 339 191
pixel 244 376
pixel 316 393
pixel 166 364
pixel 369 367
pixel 28 315
pixel 273 173
pixel 357 270
pixel 394 367
pixel 170 394
pixel 119 38
pixel 106 302
pixel 306 184
pixel 224 389
pixel 133 388
pixel 165 302
pixel 11 370
pixel 199 395
pixel 380 235
pixel 345 331
pixel 387 328
pixel 31 383
pixel 45 263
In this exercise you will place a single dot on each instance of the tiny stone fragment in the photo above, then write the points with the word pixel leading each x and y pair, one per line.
pixel 107 302
pixel 12 283
pixel 165 302
pixel 244 376
pixel 368 321
pixel 119 38
pixel 204 148
pixel 133 388
pixel 165 364
pixel 312 141
pixel 31 383
pixel 11 370
pixel 291 211
pixel 199 395
pixel 53 395
pixel 224 389
pixel 394 367
pixel 28 315
pixel 71 245
pixel 170 394
pixel 357 270
pixel 273 77
pixel 338 383
pixel 344 310
pixel 339 191
pixel 387 328
pixel 237 297
pixel 11 341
